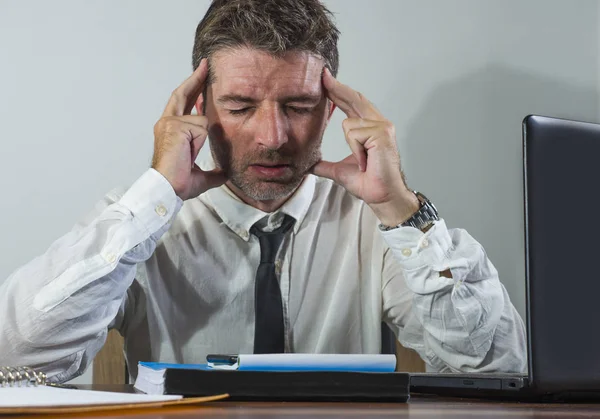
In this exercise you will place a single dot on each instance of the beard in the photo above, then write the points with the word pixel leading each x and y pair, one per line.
pixel 262 188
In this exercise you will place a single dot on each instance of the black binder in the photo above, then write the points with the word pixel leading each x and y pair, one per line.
pixel 289 386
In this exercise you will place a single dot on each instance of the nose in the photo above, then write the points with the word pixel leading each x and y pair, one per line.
pixel 271 128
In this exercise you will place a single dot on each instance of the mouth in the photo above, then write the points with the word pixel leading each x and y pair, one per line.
pixel 270 169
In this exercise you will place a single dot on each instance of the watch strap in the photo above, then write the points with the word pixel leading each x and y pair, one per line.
pixel 425 216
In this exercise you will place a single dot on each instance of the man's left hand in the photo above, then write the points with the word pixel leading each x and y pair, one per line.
pixel 372 172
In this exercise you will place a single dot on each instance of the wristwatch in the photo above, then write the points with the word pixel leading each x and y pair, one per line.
pixel 422 219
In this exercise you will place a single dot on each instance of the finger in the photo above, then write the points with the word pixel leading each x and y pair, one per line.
pixel 196 145
pixel 184 97
pixel 204 180
pixel 325 169
pixel 367 136
pixel 182 131
pixel 190 130
pixel 353 123
pixel 338 172
pixel 357 132
pixel 199 120
pixel 358 150
pixel 351 102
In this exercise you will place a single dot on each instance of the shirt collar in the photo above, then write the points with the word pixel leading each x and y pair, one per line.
pixel 240 217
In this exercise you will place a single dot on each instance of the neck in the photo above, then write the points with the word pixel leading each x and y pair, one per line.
pixel 267 206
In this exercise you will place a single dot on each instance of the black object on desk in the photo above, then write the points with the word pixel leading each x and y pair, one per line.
pixel 561 253
pixel 289 386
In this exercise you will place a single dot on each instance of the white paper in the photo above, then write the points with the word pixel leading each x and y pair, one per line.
pixel 149 380
pixel 315 362
pixel 44 396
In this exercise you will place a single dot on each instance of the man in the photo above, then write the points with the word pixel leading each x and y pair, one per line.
pixel 270 248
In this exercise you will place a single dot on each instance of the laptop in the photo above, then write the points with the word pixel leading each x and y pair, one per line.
pixel 562 249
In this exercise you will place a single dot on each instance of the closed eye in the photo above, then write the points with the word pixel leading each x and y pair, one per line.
pixel 296 109
pixel 299 110
pixel 238 111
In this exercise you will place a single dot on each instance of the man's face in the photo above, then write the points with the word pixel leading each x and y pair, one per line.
pixel 266 119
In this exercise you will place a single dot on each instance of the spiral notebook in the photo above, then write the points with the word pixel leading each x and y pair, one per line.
pixel 23 390
pixel 21 377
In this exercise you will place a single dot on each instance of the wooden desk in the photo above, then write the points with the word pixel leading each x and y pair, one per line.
pixel 418 407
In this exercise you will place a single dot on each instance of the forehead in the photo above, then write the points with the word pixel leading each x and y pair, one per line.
pixel 251 72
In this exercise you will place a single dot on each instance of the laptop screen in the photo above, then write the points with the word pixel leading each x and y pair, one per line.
pixel 562 251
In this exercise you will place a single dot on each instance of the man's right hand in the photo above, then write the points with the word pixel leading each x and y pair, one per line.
pixel 178 138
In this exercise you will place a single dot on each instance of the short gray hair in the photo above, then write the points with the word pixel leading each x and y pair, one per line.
pixel 272 26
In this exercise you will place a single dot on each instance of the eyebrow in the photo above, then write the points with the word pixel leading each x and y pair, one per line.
pixel 308 99
pixel 235 98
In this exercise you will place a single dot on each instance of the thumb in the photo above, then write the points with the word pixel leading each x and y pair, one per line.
pixel 203 180
pixel 325 169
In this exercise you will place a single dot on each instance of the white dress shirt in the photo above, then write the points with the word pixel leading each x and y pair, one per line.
pixel 177 280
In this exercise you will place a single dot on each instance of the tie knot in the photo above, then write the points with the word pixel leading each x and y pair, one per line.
pixel 271 240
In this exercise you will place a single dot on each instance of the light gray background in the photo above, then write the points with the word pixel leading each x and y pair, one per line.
pixel 82 84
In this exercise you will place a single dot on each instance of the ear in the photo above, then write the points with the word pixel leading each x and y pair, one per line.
pixel 331 109
pixel 200 104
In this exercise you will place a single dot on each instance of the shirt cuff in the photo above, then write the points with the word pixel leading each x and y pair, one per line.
pixel 415 249
pixel 152 201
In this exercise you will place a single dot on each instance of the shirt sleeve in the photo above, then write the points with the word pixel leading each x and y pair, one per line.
pixel 55 311
pixel 461 324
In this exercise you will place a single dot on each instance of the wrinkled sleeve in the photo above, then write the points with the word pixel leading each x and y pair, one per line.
pixel 56 310
pixel 461 324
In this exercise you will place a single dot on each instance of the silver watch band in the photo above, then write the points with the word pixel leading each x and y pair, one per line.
pixel 423 218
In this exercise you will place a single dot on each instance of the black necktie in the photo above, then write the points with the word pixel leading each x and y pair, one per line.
pixel 268 329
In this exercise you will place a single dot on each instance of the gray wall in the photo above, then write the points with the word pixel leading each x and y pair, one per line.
pixel 457 77
pixel 82 84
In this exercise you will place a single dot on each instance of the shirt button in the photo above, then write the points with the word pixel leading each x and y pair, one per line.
pixel 425 243
pixel 110 257
pixel 245 235
pixel 161 210
pixel 406 252
pixel 277 267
